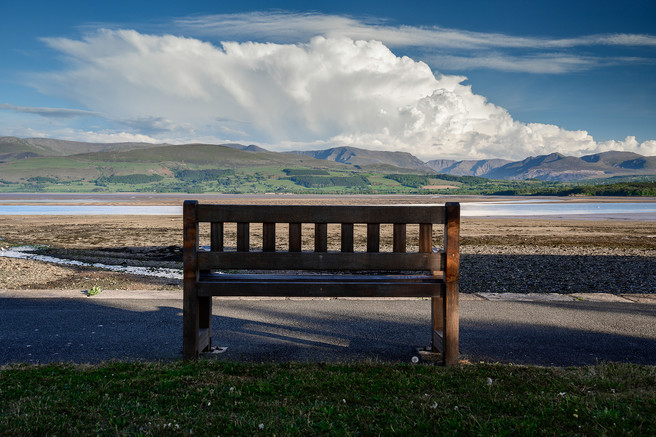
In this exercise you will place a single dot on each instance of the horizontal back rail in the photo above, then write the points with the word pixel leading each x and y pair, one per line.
pixel 407 214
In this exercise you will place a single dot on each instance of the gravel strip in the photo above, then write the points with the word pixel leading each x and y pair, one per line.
pixel 540 269
pixel 484 269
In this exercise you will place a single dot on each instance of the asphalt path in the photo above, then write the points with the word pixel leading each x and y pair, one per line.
pixel 148 326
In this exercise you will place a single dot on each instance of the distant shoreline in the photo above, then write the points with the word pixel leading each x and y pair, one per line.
pixel 496 207
pixel 178 198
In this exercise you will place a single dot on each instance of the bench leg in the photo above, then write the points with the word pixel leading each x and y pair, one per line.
pixel 446 325
pixel 437 324
pixel 451 324
pixel 204 323
pixel 197 326
pixel 190 325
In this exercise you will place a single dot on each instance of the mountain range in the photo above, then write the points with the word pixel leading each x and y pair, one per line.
pixel 551 167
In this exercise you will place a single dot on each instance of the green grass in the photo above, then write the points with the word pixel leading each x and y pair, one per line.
pixel 93 291
pixel 211 398
pixel 48 162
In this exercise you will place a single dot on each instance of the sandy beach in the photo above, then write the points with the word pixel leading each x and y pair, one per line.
pixel 498 255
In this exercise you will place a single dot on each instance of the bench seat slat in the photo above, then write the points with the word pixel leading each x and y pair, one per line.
pixel 246 277
pixel 321 214
pixel 293 288
pixel 320 261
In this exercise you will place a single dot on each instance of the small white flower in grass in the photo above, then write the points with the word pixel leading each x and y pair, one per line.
pixel 434 406
pixel 415 360
pixel 562 393
pixel 261 426
pixel 343 401
pixel 489 381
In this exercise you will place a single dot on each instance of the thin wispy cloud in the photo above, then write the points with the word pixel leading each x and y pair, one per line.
pixel 49 112
pixel 292 26
pixel 552 63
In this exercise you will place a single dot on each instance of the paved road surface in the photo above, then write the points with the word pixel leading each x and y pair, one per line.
pixel 78 329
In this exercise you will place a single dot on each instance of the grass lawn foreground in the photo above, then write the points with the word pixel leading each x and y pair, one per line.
pixel 210 397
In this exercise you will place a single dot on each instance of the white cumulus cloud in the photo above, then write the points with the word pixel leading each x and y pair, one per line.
pixel 328 92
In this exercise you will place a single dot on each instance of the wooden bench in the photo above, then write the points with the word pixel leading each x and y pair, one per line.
pixel 294 272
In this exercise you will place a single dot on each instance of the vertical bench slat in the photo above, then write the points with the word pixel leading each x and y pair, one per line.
pixel 216 236
pixel 425 237
pixel 347 237
pixel 399 240
pixel 243 237
pixel 295 237
pixel 268 237
pixel 373 237
pixel 321 237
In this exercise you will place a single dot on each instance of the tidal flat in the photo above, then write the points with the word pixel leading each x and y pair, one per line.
pixel 519 255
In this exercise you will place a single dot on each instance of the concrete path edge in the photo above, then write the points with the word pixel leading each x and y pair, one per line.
pixel 177 294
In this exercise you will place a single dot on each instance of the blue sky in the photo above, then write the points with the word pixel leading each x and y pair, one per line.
pixel 438 79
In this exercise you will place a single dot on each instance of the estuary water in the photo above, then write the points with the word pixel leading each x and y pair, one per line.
pixel 562 209
pixel 533 208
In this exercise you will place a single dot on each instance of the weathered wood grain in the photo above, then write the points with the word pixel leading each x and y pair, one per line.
pixel 380 274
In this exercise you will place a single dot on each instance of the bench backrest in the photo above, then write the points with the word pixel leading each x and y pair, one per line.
pixel 269 257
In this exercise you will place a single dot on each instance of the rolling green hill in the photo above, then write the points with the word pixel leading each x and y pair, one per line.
pixel 205 155
pixel 64 166
pixel 54 147
pixel 12 148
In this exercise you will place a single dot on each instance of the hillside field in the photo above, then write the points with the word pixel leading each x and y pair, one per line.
pixel 50 166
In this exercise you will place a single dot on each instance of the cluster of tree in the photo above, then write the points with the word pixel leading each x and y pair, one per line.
pixel 621 189
pixel 305 172
pixel 207 175
pixel 409 180
pixel 617 189
pixel 466 180
pixel 173 188
pixel 138 178
pixel 42 180
pixel 330 181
